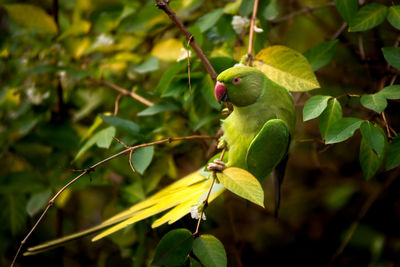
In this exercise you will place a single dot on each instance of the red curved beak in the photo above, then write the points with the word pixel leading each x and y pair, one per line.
pixel 220 92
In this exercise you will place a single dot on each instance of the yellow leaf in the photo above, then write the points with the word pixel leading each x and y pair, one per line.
pixel 243 184
pixel 168 50
pixel 286 67
pixel 169 200
pixel 31 17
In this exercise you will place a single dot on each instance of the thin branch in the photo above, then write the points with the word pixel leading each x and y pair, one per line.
pixel 307 9
pixel 116 105
pixel 386 125
pixel 205 202
pixel 339 31
pixel 361 46
pixel 188 63
pixel 123 91
pixel 251 37
pixel 364 209
pixel 91 169
pixel 163 5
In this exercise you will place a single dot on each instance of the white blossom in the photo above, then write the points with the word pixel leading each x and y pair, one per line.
pixel 195 213
pixel 35 96
pixel 184 54
pixel 239 23
pixel 258 30
pixel 103 40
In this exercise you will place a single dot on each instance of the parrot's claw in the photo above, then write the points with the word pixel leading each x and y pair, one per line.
pixel 218 166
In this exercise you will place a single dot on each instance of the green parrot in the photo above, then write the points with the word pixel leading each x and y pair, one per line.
pixel 257 134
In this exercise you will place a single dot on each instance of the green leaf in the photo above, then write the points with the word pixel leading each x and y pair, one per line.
pixel 157 108
pixel 330 115
pixel 37 202
pixel 321 54
pixel 342 130
pixel 374 137
pixel 243 184
pixel 393 154
pixel 148 66
pixel 102 139
pixel 31 17
pixel 173 248
pixel 390 92
pixel 126 125
pixel 394 16
pixel 368 17
pixel 375 102
pixel 392 55
pixel 287 68
pixel 369 160
pixel 142 158
pixel 315 106
pixel 209 20
pixel 347 8
pixel 169 75
pixel 210 251
pixel 207 91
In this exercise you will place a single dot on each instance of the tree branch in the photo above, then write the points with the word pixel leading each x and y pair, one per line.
pixel 88 170
pixel 251 37
pixel 163 5
pixel 123 91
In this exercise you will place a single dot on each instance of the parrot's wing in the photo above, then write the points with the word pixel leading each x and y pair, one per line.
pixel 268 148
pixel 178 197
pixel 268 151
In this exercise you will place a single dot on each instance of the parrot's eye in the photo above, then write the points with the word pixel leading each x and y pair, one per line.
pixel 236 80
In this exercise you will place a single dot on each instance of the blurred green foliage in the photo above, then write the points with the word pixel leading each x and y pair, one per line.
pixel 56 117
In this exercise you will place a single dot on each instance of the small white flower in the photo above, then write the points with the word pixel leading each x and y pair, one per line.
pixel 184 54
pixel 239 23
pixel 195 213
pixel 258 30
pixel 103 40
pixel 239 65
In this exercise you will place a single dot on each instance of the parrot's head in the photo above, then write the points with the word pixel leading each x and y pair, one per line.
pixel 240 85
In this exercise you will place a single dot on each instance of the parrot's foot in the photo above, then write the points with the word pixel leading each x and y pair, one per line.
pixel 218 166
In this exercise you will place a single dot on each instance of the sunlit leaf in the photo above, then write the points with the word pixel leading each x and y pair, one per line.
pixel 315 106
pixel 142 158
pixel 342 129
pixel 242 183
pixel 375 102
pixel 392 55
pixel 168 50
pixel 374 137
pixel 393 154
pixel 210 251
pixel 347 8
pixel 102 139
pixel 31 17
pixel 368 17
pixel 331 114
pixel 369 160
pixel 287 68
pixel 394 16
pixel 321 54
pixel 210 19
pixel 173 248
